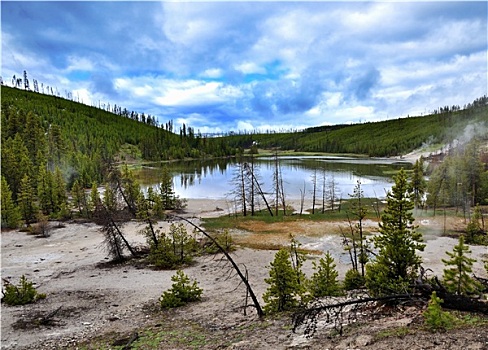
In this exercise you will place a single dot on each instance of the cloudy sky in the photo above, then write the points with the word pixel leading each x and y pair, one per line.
pixel 253 65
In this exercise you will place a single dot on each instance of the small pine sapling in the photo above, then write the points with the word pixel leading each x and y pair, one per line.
pixel 436 319
pixel 24 293
pixel 353 280
pixel 324 280
pixel 182 291
pixel 457 278
pixel 283 291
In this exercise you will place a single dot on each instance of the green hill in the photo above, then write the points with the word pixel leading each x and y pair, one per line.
pixel 380 139
pixel 38 129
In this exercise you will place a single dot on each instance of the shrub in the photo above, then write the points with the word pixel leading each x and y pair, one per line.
pixel 435 318
pixel 42 227
pixel 173 249
pixel 353 280
pixel 23 294
pixel 182 291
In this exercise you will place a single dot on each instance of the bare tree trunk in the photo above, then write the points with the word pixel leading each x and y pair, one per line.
pixel 277 184
pixel 133 253
pixel 234 265
pixel 243 189
pixel 262 193
pixel 252 185
pixel 324 179
pixel 314 190
pixel 283 201
pixel 302 198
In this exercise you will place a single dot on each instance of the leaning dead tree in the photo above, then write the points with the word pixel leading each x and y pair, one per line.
pixel 114 240
pixel 336 313
pixel 243 278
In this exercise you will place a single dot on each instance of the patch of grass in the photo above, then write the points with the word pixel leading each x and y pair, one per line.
pixel 190 336
pixel 263 216
pixel 469 320
pixel 397 332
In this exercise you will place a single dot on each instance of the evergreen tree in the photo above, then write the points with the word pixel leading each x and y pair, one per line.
pixel 475 231
pixel 167 194
pixel 10 212
pixel 324 280
pixel 95 200
pixel 15 163
pixel 397 262
pixel 79 198
pixel 110 199
pixel 435 318
pixel 281 294
pixel 129 189
pixel 182 291
pixel 418 182
pixel 456 278
pixel 26 200
pixel 44 189
pixel 59 197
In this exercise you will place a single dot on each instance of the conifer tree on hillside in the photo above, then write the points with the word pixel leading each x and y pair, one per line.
pixel 397 262
pixel 10 212
pixel 26 200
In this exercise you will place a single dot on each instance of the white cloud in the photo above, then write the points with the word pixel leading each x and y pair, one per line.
pixel 79 63
pixel 212 73
pixel 178 93
pixel 249 68
pixel 244 125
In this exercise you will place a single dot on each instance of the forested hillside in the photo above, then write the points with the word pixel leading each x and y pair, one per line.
pixel 380 139
pixel 49 131
pixel 52 145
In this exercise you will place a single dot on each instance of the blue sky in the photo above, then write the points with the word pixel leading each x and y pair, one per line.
pixel 220 66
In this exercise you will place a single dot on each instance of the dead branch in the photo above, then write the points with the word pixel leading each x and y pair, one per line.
pixel 234 265
pixel 337 313
pixel 48 318
pixel 132 339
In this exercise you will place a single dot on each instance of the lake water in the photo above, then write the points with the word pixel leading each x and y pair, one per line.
pixel 212 179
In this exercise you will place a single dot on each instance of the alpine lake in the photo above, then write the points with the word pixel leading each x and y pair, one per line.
pixel 215 178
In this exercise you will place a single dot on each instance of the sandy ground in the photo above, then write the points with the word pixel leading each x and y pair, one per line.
pixel 94 298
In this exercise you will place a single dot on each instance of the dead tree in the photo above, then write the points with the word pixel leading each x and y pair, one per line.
pixel 115 240
pixel 256 182
pixel 338 313
pixel 243 278
pixel 314 189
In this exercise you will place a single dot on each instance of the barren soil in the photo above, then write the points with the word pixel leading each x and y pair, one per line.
pixel 90 299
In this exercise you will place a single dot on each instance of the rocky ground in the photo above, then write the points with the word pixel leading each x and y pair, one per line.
pixel 92 302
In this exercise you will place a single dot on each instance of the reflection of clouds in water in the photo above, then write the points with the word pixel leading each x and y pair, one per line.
pixel 215 182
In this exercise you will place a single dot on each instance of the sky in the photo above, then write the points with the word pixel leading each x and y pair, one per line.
pixel 235 66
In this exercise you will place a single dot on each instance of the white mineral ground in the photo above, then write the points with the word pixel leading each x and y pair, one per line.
pixel 66 267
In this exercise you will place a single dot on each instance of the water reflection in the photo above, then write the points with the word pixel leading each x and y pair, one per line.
pixel 213 178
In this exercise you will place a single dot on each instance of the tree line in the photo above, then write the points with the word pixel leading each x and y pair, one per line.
pixel 378 139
